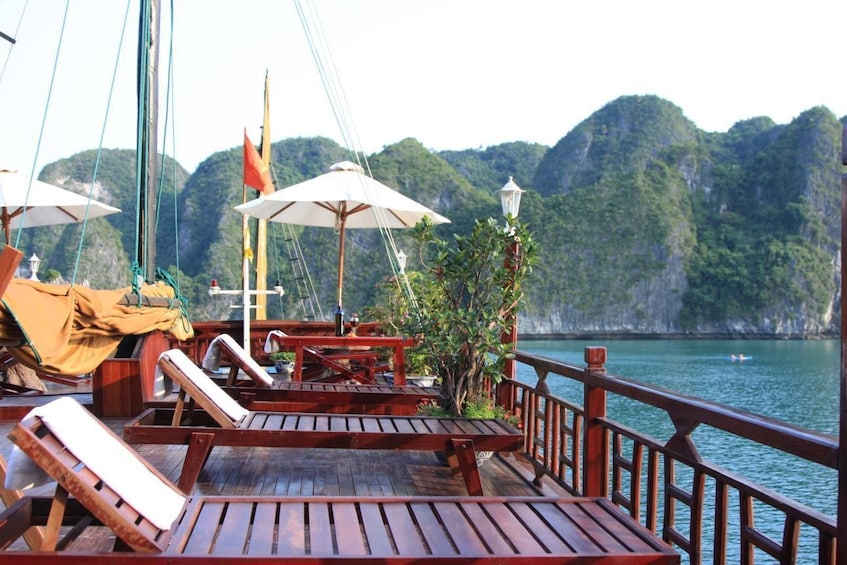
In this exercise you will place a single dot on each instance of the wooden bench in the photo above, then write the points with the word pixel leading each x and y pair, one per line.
pixel 232 529
pixel 223 421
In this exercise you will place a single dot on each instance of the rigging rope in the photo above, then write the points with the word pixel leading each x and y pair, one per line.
pixel 43 121
pixel 12 42
pixel 338 102
pixel 100 146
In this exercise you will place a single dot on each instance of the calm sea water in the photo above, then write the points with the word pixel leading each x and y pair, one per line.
pixel 792 381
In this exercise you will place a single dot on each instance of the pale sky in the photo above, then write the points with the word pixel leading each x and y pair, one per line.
pixel 454 74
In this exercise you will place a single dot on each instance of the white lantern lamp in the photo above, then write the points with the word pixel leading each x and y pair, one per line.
pixel 34 262
pixel 510 198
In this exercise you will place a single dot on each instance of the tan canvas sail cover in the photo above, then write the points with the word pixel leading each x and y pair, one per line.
pixel 68 330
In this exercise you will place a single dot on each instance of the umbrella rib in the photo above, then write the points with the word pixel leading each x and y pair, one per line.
pixel 281 210
pixel 399 219
pixel 359 208
pixel 68 214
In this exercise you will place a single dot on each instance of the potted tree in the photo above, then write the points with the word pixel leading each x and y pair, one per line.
pixel 467 295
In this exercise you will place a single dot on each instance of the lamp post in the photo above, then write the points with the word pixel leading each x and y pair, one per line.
pixel 34 262
pixel 510 199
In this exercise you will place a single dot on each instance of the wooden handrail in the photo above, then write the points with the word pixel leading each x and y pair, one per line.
pixel 585 451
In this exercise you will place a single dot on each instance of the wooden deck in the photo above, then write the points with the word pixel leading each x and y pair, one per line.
pixel 378 483
pixel 309 471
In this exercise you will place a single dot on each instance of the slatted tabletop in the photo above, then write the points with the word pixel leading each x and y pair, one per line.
pixel 317 388
pixel 335 398
pixel 372 530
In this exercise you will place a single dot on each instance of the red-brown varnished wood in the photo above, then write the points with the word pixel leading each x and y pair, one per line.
pixel 339 431
pixel 302 343
pixel 335 398
pixel 400 529
pixel 121 386
pixel 10 258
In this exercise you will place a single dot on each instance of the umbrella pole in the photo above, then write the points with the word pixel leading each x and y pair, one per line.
pixel 339 311
pixel 6 227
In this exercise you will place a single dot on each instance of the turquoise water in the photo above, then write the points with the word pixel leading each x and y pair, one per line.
pixel 792 381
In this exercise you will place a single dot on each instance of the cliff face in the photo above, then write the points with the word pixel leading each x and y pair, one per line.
pixel 647 225
pixel 737 233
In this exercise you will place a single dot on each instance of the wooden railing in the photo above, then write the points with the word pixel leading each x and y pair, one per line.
pixel 662 482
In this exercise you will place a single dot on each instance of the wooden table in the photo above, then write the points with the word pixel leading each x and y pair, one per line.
pixel 298 343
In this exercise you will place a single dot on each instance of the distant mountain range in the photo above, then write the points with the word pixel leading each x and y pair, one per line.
pixel 648 226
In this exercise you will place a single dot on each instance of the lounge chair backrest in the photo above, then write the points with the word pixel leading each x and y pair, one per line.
pixel 95 466
pixel 226 345
pixel 208 395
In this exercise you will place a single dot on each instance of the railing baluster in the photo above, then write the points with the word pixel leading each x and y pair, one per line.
pixel 575 446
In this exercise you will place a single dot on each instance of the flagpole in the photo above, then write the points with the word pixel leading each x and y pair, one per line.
pixel 245 273
pixel 262 225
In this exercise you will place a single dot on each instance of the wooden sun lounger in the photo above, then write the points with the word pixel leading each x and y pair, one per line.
pixel 232 529
pixel 224 422
pixel 298 396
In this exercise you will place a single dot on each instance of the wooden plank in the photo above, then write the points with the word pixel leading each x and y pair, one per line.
pixel 463 529
pixel 264 529
pixel 375 532
pixel 292 534
pixel 320 529
pixel 348 530
pixel 205 526
pixel 434 534
pixel 488 530
pixel 233 535
pixel 403 531
pixel 620 525
pixel 548 536
pixel 519 537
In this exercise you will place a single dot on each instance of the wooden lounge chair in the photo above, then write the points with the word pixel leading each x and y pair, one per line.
pixel 297 396
pixel 149 515
pixel 224 422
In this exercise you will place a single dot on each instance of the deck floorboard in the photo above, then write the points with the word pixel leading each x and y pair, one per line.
pixel 308 471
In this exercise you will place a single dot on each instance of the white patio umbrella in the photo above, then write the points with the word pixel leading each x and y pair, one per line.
pixel 344 198
pixel 46 204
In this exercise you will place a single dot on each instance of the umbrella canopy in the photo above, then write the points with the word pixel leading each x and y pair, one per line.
pixel 345 197
pixel 46 204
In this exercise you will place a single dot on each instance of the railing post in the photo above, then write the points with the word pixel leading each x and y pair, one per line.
pixel 596 462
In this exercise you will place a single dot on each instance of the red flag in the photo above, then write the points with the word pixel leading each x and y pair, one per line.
pixel 256 173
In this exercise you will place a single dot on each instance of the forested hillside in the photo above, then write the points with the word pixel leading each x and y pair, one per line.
pixel 647 225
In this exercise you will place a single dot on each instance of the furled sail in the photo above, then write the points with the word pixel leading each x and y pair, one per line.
pixel 70 330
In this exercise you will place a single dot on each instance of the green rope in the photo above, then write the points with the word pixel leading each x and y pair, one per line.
pixel 164 276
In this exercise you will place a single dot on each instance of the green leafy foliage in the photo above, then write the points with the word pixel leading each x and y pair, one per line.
pixel 465 298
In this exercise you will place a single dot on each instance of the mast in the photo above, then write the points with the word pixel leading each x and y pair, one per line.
pixel 262 225
pixel 147 156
